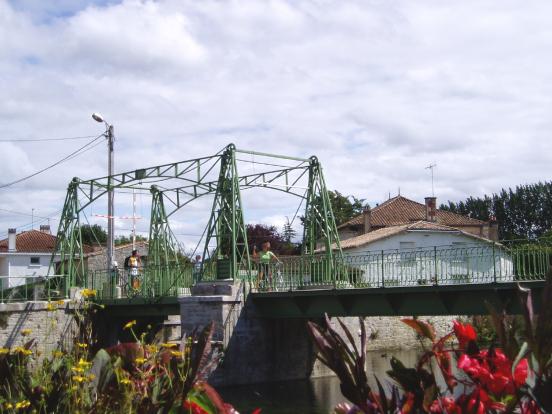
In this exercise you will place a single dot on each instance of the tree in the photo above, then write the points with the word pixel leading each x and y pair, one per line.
pixel 93 235
pixel 257 234
pixel 120 240
pixel 345 207
pixel 288 232
pixel 523 212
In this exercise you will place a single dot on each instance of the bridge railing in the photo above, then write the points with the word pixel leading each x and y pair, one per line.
pixel 147 282
pixel 27 288
pixel 439 265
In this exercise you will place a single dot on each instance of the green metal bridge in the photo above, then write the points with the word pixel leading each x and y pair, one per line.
pixel 437 280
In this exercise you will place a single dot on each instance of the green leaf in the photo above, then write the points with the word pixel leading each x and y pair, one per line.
pixel 102 368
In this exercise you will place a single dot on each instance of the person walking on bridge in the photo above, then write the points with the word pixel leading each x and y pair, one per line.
pixel 134 262
pixel 264 258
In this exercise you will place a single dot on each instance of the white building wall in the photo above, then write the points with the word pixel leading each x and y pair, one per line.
pixel 445 258
pixel 20 270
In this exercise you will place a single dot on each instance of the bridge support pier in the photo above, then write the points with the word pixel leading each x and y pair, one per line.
pixel 256 349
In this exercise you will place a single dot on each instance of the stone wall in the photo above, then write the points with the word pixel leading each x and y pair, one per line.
pixel 98 260
pixel 50 328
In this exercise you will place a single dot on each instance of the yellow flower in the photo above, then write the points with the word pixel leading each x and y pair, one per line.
pixel 81 345
pixel 50 306
pixel 4 351
pixel 152 349
pixel 169 345
pixel 91 377
pixel 22 404
pixel 26 332
pixel 9 406
pixel 88 293
pixel 79 378
pixel 60 302
pixel 125 381
pixel 21 350
pixel 130 324
pixel 176 354
pixel 77 370
pixel 84 364
pixel 140 360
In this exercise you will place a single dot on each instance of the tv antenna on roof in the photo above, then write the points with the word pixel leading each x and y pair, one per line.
pixel 431 167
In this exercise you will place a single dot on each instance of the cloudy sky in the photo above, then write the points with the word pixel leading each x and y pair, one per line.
pixel 377 89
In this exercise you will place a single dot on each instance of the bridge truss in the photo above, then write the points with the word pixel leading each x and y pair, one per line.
pixel 173 186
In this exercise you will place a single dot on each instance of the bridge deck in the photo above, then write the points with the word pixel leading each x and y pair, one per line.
pixel 469 299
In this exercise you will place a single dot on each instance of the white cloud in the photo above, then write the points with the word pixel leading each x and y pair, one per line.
pixel 378 90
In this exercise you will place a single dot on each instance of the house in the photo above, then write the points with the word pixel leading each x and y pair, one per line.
pixel 400 210
pixel 26 256
pixel 402 242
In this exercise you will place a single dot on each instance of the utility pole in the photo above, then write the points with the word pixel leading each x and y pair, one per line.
pixel 110 198
pixel 133 219
pixel 110 194
pixel 431 167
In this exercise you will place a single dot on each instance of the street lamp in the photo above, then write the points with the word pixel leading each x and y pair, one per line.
pixel 110 213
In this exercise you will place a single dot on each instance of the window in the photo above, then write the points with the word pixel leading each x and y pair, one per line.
pixel 35 260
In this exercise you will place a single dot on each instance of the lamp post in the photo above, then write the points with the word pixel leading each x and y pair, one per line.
pixel 110 213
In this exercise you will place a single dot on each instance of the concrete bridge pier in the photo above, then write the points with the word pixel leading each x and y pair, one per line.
pixel 256 349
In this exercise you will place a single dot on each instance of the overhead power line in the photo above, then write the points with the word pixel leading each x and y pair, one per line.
pixel 46 139
pixel 75 153
pixel 19 213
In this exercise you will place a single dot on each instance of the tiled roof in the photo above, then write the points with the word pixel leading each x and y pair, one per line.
pixel 385 232
pixel 400 210
pixel 32 241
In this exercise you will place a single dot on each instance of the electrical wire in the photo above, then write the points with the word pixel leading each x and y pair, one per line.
pixel 66 158
pixel 46 139
pixel 22 214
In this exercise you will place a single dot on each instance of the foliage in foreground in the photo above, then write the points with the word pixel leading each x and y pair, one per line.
pixel 512 376
pixel 134 377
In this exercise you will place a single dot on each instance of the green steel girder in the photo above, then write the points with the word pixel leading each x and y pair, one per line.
pixel 226 227
pixel 280 180
pixel 69 240
pixel 399 301
pixel 226 224
pixel 319 217
pixel 163 245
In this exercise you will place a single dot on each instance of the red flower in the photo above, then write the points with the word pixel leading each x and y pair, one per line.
pixel 520 372
pixel 493 370
pixel 445 405
pixel 464 333
pixel 479 402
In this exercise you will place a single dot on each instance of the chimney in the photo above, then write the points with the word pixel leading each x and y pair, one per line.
pixel 431 209
pixel 367 216
pixel 11 240
pixel 493 228
pixel 45 228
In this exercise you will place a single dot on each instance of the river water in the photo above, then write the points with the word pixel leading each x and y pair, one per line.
pixel 314 396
